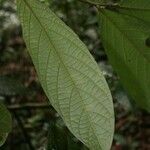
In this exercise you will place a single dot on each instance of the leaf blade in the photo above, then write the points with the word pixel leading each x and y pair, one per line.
pixel 69 75
pixel 124 38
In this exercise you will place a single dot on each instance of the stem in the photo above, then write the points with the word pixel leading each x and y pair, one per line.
pixel 101 5
pixel 93 3
pixel 29 106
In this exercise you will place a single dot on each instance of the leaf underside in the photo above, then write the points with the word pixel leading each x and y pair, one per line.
pixel 125 33
pixel 5 123
pixel 69 75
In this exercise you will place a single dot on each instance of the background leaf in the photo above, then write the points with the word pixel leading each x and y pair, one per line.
pixel 69 75
pixel 5 123
pixel 124 33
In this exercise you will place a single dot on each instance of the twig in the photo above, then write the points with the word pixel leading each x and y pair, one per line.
pixel 93 3
pixel 84 1
pixel 102 5
pixel 29 106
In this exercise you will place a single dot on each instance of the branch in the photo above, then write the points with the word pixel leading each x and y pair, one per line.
pixel 93 3
pixel 101 5
pixel 29 106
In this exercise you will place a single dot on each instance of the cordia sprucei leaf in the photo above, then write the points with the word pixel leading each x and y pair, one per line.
pixel 69 75
pixel 125 32
pixel 5 123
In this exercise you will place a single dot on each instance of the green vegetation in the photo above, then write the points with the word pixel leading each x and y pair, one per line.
pixel 73 82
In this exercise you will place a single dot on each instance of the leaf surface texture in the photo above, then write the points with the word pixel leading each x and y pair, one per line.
pixel 69 75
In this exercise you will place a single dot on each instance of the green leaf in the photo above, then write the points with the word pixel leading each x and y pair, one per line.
pixel 5 123
pixel 69 75
pixel 125 32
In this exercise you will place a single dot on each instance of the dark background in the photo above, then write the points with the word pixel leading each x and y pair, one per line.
pixel 36 125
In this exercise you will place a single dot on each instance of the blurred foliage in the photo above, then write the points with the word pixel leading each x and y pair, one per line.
pixel 19 85
pixel 10 86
